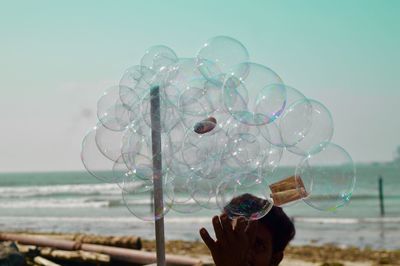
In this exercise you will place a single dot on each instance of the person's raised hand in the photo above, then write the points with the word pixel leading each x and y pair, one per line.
pixel 233 243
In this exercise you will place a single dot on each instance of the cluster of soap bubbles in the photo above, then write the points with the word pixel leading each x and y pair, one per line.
pixel 223 124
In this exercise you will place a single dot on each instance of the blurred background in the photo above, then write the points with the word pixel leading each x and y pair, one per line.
pixel 58 57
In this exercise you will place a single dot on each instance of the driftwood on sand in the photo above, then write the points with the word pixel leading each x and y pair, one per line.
pixel 115 253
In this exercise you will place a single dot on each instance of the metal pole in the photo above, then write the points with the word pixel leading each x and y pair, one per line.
pixel 157 173
pixel 381 204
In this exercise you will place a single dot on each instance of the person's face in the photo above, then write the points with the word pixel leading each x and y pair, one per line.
pixel 261 253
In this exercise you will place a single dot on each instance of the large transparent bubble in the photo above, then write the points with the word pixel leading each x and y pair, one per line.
pixel 202 153
pixel 112 113
pixel 158 58
pixel 229 133
pixel 178 78
pixel 94 160
pixel 168 114
pixel 138 196
pixel 218 55
pixel 328 176
pixel 305 125
pixel 248 149
pixel 109 142
pixel 244 194
pixel 244 91
pixel 204 191
pixel 180 178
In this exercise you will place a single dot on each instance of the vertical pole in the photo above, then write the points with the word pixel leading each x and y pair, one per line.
pixel 157 173
pixel 380 184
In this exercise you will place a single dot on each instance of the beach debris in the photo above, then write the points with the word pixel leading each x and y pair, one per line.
pixel 132 242
pixel 44 262
pixel 288 190
pixel 115 253
pixel 205 126
pixel 10 255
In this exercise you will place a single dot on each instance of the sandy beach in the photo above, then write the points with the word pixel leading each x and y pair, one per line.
pixel 325 255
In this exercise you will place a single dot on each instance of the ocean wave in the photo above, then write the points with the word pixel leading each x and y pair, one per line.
pixel 346 220
pixel 56 203
pixel 198 219
pixel 78 202
pixel 36 191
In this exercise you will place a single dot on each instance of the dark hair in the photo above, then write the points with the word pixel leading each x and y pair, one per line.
pixel 278 223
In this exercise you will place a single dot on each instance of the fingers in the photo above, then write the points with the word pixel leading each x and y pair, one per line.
pixel 226 224
pixel 210 243
pixel 240 225
pixel 251 231
pixel 219 232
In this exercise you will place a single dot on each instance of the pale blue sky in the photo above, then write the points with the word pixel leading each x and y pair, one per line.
pixel 58 56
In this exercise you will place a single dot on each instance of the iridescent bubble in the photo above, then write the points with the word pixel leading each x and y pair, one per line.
pixel 136 81
pixel 329 177
pixel 109 142
pixel 203 152
pixel 204 191
pixel 121 173
pixel 178 78
pixel 241 87
pixel 168 114
pixel 246 150
pixel 138 196
pixel 218 55
pixel 194 103
pixel 273 99
pixel 244 194
pixel 158 57
pixel 304 125
pixel 94 160
pixel 271 131
pixel 179 176
pixel 112 113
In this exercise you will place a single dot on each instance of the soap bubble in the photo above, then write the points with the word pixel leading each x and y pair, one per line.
pixel 179 176
pixel 111 112
pixel 168 114
pixel 138 196
pixel 240 90
pixel 195 103
pixel 203 152
pixel 220 125
pixel 328 176
pixel 138 155
pixel 94 160
pixel 218 55
pixel 246 149
pixel 244 194
pixel 179 75
pixel 158 57
pixel 204 191
pixel 121 173
pixel 109 142
pixel 304 125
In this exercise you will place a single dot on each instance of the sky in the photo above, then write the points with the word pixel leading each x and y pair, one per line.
pixel 57 57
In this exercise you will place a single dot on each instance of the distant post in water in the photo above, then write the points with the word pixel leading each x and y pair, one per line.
pixel 381 204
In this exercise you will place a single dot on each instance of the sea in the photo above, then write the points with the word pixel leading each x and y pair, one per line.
pixel 76 202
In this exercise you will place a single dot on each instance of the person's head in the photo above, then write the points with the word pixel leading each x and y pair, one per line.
pixel 274 232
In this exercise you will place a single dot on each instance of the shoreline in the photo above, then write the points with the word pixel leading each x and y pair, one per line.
pixel 307 255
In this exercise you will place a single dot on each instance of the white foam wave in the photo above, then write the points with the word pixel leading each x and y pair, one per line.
pixel 113 220
pixel 189 220
pixel 55 203
pixel 347 220
pixel 84 189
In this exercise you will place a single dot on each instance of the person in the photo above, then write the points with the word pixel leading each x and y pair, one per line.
pixel 243 242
